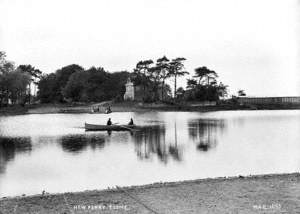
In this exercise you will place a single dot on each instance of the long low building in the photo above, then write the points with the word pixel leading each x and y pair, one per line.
pixel 269 100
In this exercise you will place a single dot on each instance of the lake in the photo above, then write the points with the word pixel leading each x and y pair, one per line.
pixel 53 152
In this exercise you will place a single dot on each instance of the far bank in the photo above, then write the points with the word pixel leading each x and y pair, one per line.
pixel 134 107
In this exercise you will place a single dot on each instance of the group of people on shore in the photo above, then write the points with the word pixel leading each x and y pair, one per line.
pixel 109 122
pixel 108 110
pixel 97 108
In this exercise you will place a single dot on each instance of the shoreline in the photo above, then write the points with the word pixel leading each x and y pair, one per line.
pixel 130 107
pixel 253 193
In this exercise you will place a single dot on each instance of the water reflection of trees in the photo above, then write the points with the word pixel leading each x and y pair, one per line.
pixel 153 141
pixel 205 132
pixel 10 146
pixel 78 143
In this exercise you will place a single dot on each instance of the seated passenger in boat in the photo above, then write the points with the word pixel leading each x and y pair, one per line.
pixel 109 122
pixel 131 122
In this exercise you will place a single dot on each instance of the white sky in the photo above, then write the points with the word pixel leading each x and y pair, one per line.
pixel 251 44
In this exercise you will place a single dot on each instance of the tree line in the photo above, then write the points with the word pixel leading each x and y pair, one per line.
pixel 153 75
pixel 16 82
pixel 204 86
pixel 73 83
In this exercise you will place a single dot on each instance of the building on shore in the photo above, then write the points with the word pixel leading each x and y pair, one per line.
pixel 139 93
pixel 129 93
pixel 133 93
pixel 268 100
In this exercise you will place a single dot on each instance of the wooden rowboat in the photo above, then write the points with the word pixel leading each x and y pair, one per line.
pixel 94 127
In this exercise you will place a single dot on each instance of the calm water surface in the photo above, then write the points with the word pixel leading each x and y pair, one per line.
pixel 52 152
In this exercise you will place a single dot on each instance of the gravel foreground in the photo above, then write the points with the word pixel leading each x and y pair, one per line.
pixel 277 193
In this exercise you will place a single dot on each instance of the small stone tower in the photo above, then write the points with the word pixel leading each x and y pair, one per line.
pixel 129 94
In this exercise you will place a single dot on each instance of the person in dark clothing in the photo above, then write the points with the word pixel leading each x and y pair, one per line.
pixel 109 123
pixel 131 122
pixel 108 110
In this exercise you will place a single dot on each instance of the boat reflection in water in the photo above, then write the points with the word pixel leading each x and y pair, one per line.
pixel 205 132
pixel 10 147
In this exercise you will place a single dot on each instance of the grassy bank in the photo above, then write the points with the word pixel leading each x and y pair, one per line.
pixel 13 110
pixel 254 194
pixel 133 107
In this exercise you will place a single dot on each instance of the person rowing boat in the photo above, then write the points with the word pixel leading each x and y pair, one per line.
pixel 109 123
pixel 131 122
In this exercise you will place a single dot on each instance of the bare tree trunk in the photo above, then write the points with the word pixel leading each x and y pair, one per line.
pixel 7 96
pixel 175 135
pixel 29 94
pixel 144 86
pixel 156 90
pixel 175 86
pixel 162 90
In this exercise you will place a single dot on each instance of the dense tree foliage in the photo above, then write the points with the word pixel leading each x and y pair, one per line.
pixel 206 75
pixel 95 84
pixel 206 88
pixel 74 84
pixel 13 83
pixel 163 65
pixel 176 70
pixel 152 77
pixel 142 76
pixel 50 86
pixel 46 86
pixel 34 75
pixel 241 93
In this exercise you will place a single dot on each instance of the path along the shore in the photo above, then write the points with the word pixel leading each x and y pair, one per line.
pixel 255 194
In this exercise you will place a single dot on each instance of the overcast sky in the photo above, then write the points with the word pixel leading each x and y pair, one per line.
pixel 251 44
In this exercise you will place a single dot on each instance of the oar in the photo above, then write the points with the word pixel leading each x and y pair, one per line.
pixel 116 124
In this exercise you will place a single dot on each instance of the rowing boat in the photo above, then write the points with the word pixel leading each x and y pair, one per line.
pixel 94 127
